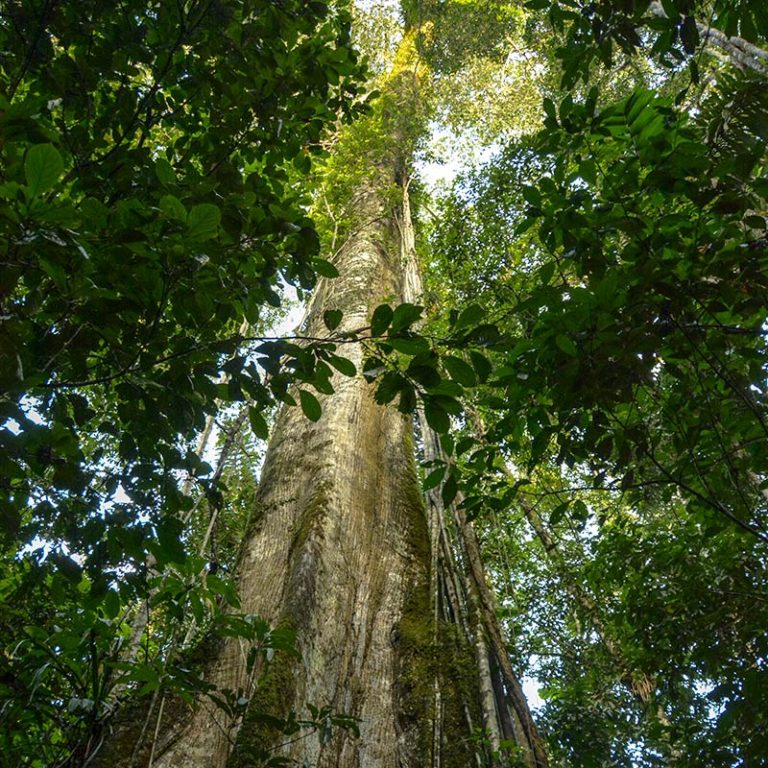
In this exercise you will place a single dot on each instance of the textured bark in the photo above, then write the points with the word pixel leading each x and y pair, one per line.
pixel 338 548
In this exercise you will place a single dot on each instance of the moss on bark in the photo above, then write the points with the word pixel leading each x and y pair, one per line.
pixel 263 725
pixel 436 655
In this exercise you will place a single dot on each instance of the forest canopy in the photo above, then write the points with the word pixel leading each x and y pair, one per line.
pixel 588 348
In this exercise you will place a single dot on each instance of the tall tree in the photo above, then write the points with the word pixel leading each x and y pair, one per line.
pixel 341 550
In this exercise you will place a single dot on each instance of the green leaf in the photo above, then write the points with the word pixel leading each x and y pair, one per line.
pixel 342 365
pixel 404 316
pixel 434 478
pixel 302 163
pixel 389 385
pixel 96 212
pixel 111 604
pixel 310 405
pixel 447 403
pixel 203 222
pixel 43 167
pixel 558 513
pixel 670 9
pixel 689 34
pixel 551 112
pixel 171 548
pixel 258 423
pixel 164 172
pixel 531 195
pixel 464 444
pixel 484 334
pixel 54 270
pixel 407 402
pixel 566 345
pixel 446 387
pixel 481 364
pixel 460 371
pixel 332 318
pixel 382 317
pixel 437 417
pixel 173 208
pixel 412 345
pixel 449 490
pixel 324 268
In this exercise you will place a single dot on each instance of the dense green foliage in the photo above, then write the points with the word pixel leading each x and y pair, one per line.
pixel 591 349
pixel 150 154
pixel 615 457
pixel 150 204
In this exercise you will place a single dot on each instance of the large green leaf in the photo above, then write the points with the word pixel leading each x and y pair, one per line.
pixel 203 222
pixel 43 167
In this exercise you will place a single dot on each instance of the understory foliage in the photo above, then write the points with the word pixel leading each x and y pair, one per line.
pixel 591 346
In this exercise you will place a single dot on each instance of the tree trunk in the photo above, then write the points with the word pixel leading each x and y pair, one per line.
pixel 743 54
pixel 340 553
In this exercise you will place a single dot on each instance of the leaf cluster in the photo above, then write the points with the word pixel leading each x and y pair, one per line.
pixel 621 255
